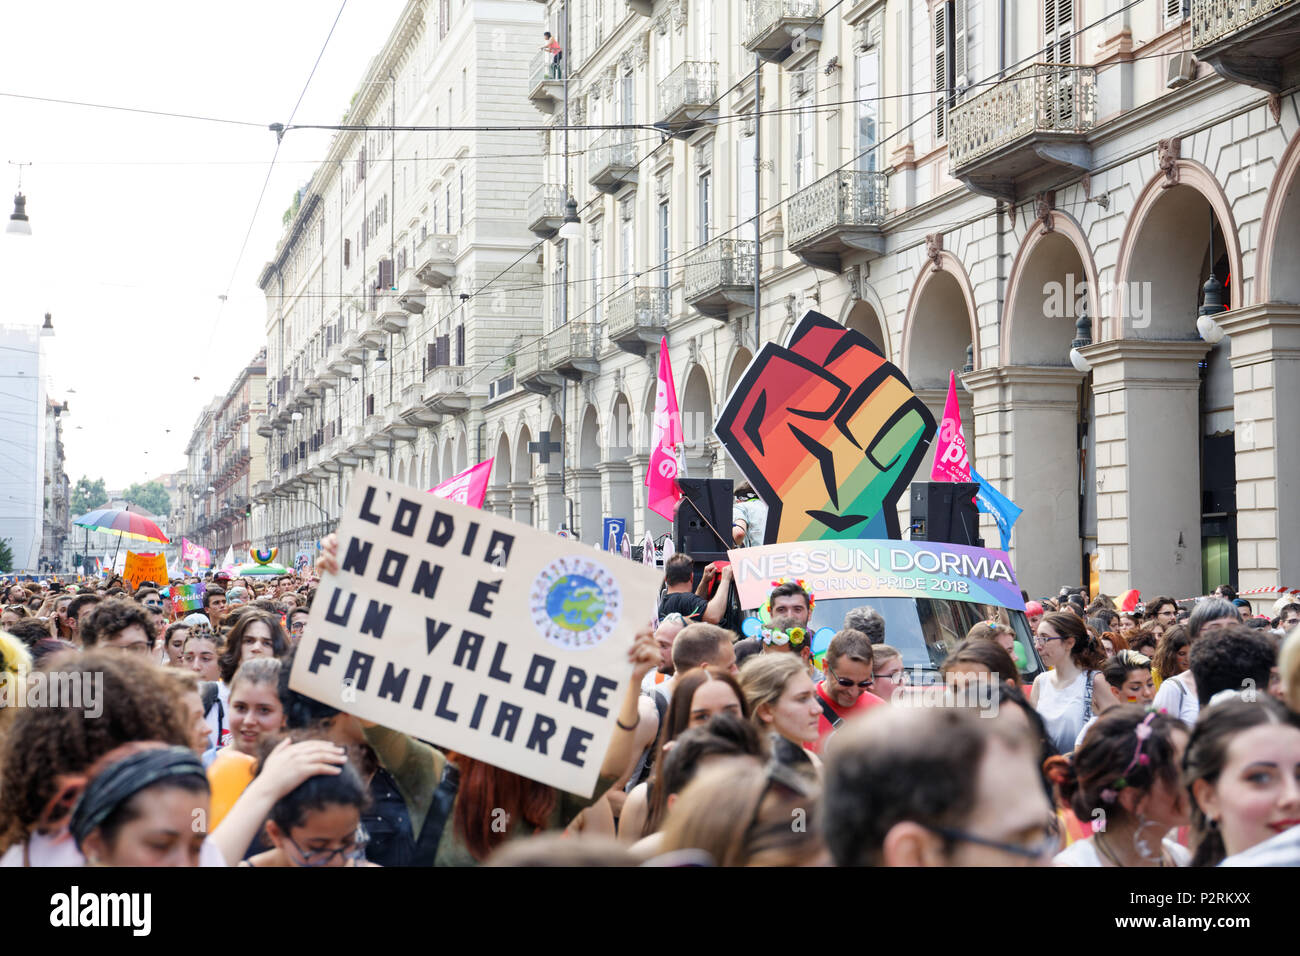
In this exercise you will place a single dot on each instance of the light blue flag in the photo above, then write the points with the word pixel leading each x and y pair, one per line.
pixel 993 502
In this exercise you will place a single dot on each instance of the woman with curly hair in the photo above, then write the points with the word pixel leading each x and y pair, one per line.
pixel 123 699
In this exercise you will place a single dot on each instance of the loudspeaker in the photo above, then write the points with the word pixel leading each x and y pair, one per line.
pixel 945 511
pixel 702 522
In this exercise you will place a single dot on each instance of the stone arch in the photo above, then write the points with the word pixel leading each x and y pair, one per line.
pixel 622 432
pixel 448 457
pixel 431 473
pixel 1276 277
pixel 401 472
pixel 739 362
pixel 589 455
pixel 462 451
pixel 1051 272
pixel 696 404
pixel 1166 243
pixel 523 468
pixel 501 466
pixel 863 316
pixel 940 323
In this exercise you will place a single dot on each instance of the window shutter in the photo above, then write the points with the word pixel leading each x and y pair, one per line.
pixel 347 252
pixel 460 345
pixel 959 65
pixel 370 404
pixel 430 357
pixel 941 65
pixel 385 274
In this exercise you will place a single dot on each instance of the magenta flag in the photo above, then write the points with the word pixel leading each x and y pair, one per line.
pixel 951 462
pixel 467 488
pixel 661 476
pixel 191 553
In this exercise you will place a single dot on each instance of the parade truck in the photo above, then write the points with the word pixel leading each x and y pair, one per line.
pixel 929 593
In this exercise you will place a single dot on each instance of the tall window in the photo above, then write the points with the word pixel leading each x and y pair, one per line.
pixel 804 137
pixel 868 88
pixel 462 199
pixel 557 286
pixel 745 197
pixel 627 97
pixel 704 206
pixel 665 226
pixel 949 38
pixel 446 196
pixel 628 242
pixel 597 273
pixel 1058 31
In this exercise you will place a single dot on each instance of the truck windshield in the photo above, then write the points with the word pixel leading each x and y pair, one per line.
pixel 925 631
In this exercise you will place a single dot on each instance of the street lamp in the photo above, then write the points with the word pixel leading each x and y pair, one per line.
pixel 47 330
pixel 18 224
pixel 572 227
pixel 1211 301
pixel 1082 338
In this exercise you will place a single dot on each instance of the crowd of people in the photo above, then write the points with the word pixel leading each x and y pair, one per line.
pixel 133 733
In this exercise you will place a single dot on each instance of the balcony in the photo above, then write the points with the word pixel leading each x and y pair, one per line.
pixel 395 426
pixel 1249 41
pixel 358 442
pixel 638 318
pixel 837 215
pixel 412 297
pixel 261 489
pixel 436 258
pixel 414 411
pixel 688 98
pixel 545 210
pixel 354 350
pixel 545 88
pixel 329 454
pixel 573 350
pixel 449 389
pixel 719 276
pixel 392 318
pixel 263 426
pixel 775 29
pixel 371 333
pixel 611 160
pixel 532 371
pixel 338 362
pixel 1039 115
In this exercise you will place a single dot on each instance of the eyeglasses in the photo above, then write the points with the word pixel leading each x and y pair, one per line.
pixel 298 626
pixel 352 852
pixel 898 677
pixel 845 682
pixel 777 774
pixel 1039 640
pixel 1045 848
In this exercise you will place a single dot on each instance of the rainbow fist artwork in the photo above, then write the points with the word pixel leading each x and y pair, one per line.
pixel 828 432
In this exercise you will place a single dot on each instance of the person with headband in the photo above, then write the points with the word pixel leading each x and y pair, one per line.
pixel 1124 781
pixel 139 806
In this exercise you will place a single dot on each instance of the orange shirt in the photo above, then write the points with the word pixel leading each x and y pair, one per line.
pixel 228 776
pixel 824 726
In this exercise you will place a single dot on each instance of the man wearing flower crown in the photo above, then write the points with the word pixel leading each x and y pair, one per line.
pixel 790 599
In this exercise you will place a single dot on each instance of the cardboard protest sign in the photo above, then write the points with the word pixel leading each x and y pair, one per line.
pixel 145 567
pixel 828 432
pixel 871 569
pixel 474 632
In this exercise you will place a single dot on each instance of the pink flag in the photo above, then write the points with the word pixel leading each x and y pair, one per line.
pixel 661 476
pixel 950 460
pixel 191 553
pixel 467 488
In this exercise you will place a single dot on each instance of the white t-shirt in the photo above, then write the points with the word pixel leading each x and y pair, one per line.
pixel 1063 710
pixel 1084 853
pixel 62 851
pixel 1176 699
pixel 1281 850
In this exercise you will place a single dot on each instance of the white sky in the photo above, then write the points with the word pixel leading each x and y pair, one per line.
pixel 138 220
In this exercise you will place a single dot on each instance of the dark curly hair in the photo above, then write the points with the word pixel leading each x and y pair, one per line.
pixel 300 711
pixel 44 745
pixel 231 659
pixel 113 616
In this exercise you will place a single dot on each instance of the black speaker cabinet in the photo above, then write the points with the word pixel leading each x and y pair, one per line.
pixel 702 525
pixel 945 511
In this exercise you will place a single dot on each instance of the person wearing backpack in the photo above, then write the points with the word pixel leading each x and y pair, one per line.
pixel 1075 688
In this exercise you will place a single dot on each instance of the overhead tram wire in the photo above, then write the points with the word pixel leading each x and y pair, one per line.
pixel 216 321
pixel 992 79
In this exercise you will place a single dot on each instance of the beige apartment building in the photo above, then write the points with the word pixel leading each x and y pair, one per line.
pixel 1056 200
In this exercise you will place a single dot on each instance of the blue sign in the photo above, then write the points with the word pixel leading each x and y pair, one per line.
pixel 612 533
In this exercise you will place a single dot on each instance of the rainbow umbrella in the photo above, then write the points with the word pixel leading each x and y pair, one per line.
pixel 124 524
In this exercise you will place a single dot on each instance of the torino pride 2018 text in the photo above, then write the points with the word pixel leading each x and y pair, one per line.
pixel 476 633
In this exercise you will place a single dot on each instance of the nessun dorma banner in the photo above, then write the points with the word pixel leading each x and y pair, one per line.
pixel 475 633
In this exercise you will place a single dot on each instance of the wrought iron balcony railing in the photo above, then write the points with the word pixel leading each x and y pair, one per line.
pixel 1043 98
pixel 1214 20
pixel 845 198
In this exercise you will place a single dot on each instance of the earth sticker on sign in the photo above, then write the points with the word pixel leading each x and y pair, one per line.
pixel 575 603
